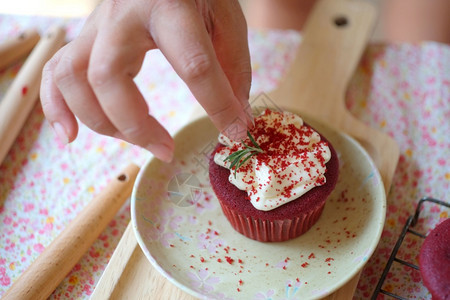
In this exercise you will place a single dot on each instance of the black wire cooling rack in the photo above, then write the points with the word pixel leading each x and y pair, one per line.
pixel 410 222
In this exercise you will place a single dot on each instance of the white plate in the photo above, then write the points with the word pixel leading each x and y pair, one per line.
pixel 181 229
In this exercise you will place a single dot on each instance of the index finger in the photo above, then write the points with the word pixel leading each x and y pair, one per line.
pixel 191 53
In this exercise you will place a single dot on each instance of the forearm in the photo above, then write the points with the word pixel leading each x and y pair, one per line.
pixel 416 20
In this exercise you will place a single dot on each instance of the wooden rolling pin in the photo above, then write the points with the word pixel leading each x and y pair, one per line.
pixel 58 259
pixel 21 96
pixel 16 48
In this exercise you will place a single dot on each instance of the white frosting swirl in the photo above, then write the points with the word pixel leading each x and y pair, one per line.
pixel 293 161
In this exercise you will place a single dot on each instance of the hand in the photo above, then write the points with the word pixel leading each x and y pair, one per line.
pixel 92 77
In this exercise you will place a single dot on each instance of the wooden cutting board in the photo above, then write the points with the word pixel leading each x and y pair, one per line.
pixel 333 41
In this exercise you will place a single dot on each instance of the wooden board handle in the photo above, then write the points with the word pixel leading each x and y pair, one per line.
pixel 21 96
pixel 58 259
pixel 327 58
pixel 334 39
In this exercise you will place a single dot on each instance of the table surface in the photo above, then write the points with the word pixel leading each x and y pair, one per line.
pixel 403 90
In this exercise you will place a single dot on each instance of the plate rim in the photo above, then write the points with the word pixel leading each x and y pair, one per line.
pixel 313 122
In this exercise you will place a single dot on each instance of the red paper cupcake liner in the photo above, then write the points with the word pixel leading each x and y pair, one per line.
pixel 272 231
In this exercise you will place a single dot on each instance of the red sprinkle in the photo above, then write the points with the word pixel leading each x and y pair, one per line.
pixel 229 260
pixel 24 90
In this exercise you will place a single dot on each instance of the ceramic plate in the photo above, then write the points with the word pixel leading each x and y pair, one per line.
pixel 183 233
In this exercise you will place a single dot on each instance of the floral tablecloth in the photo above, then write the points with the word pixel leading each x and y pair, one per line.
pixel 402 90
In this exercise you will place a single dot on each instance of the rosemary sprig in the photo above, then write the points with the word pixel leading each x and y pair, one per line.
pixel 238 158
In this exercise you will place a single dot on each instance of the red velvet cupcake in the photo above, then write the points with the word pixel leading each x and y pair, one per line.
pixel 434 261
pixel 273 186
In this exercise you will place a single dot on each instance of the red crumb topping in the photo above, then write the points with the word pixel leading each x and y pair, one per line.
pixel 276 146
pixel 229 260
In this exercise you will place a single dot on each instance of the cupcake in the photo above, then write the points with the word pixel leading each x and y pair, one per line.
pixel 273 186
pixel 434 261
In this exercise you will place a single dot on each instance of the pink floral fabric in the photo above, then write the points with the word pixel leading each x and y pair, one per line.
pixel 403 90
pixel 407 95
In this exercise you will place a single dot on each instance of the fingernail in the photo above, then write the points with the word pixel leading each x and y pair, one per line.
pixel 161 151
pixel 60 133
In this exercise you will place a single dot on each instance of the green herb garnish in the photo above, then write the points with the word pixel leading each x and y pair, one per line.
pixel 239 157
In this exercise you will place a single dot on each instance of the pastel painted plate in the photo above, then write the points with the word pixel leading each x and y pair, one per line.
pixel 181 229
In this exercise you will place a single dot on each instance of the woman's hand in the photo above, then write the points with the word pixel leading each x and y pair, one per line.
pixel 92 76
